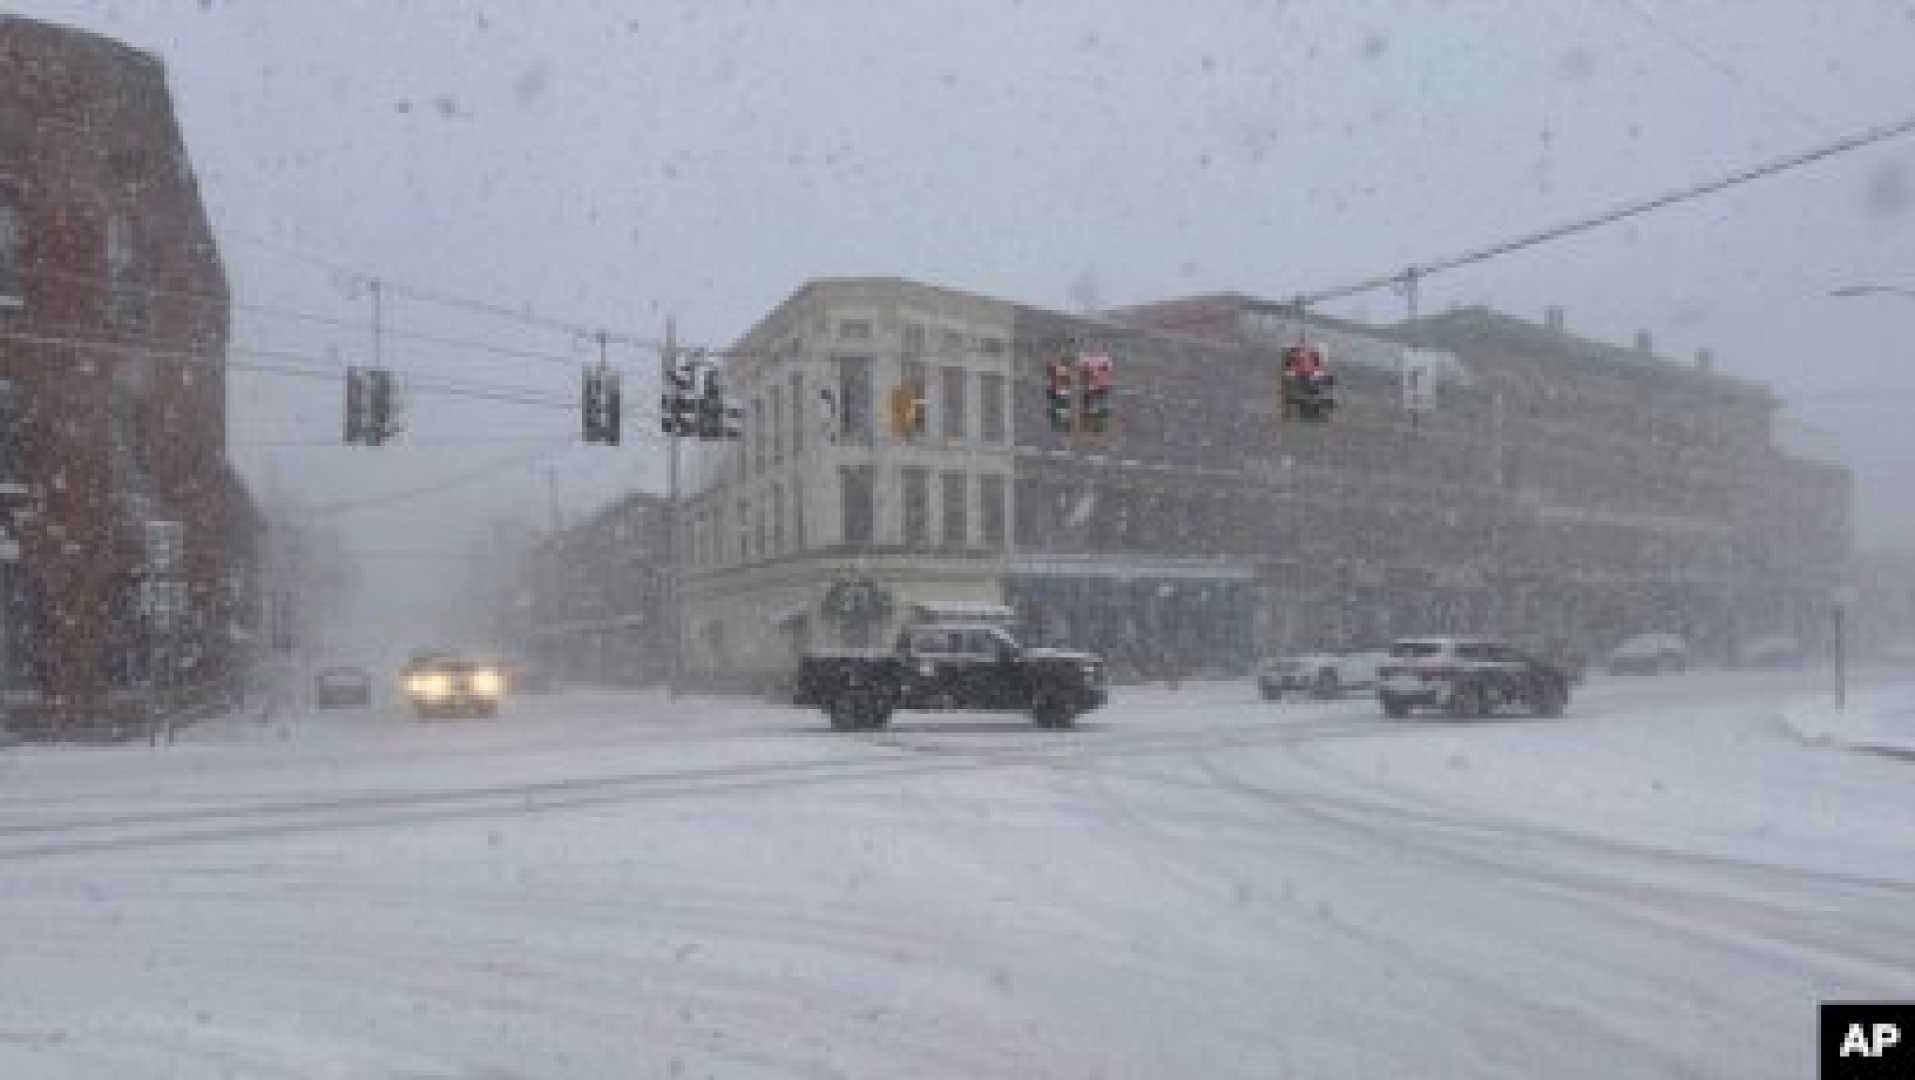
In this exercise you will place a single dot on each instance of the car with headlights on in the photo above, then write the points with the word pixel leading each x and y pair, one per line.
pixel 443 684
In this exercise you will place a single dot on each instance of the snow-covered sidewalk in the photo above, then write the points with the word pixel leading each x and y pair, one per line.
pixel 1882 721
pixel 1717 780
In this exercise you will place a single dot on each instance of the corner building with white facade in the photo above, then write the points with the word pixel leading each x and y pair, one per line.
pixel 1201 531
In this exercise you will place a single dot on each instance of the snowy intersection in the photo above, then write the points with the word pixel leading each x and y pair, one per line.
pixel 1195 884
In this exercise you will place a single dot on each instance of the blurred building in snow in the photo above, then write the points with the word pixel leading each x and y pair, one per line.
pixel 591 603
pixel 131 541
pixel 1555 487
pixel 1636 493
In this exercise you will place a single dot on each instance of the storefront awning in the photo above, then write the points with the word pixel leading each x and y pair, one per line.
pixel 1130 568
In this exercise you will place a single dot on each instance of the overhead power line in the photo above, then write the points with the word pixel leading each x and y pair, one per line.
pixel 1423 270
pixel 1779 101
pixel 524 314
pixel 299 365
pixel 488 471
pixel 335 321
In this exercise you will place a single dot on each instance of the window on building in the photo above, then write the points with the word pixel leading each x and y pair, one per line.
pixel 856 504
pixel 758 435
pixel 990 407
pixel 744 531
pixel 777 425
pixel 798 517
pixel 125 299
pixel 855 330
pixel 913 339
pixel 13 251
pixel 777 520
pixel 1029 498
pixel 915 374
pixel 953 406
pixel 915 485
pixel 991 346
pixel 797 414
pixel 854 400
pixel 957 526
pixel 990 510
pixel 954 341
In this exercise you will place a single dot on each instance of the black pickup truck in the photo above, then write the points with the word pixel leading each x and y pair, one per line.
pixel 949 667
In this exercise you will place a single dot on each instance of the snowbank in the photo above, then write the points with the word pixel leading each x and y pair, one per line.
pixel 1880 721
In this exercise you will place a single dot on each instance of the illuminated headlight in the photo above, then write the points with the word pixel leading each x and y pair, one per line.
pixel 1093 672
pixel 487 682
pixel 429 685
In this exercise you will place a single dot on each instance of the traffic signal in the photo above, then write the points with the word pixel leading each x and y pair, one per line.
pixel 673 398
pixel 602 410
pixel 1057 394
pixel 370 406
pixel 1307 386
pixel 717 416
pixel 711 408
pixel 355 406
pixel 1097 378
pixel 907 410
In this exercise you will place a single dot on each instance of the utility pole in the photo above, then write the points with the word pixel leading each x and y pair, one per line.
pixel 674 578
pixel 1845 595
pixel 378 328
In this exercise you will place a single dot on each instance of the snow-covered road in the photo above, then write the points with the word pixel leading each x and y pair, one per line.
pixel 1196 883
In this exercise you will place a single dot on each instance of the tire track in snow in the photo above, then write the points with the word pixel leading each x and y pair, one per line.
pixel 1723 912
pixel 903 758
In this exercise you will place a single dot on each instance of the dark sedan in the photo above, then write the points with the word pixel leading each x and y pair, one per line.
pixel 342 688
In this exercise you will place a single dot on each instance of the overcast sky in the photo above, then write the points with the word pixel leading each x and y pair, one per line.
pixel 612 163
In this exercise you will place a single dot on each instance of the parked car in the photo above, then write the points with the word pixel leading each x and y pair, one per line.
pixel 447 684
pixel 1321 674
pixel 1468 677
pixel 1649 654
pixel 1776 650
pixel 342 687
pixel 956 666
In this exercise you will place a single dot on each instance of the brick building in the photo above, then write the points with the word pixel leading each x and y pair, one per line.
pixel 1561 487
pixel 130 525
pixel 1558 487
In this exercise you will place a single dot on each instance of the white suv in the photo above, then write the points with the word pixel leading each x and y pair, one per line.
pixel 1468 677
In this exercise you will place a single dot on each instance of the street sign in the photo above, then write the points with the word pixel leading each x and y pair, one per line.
pixel 1420 367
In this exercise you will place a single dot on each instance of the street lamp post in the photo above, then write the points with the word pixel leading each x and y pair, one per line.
pixel 1844 598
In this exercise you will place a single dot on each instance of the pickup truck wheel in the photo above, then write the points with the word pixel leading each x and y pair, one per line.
pixel 1550 700
pixel 1394 707
pixel 847 712
pixel 1468 701
pixel 1051 713
pixel 1326 685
